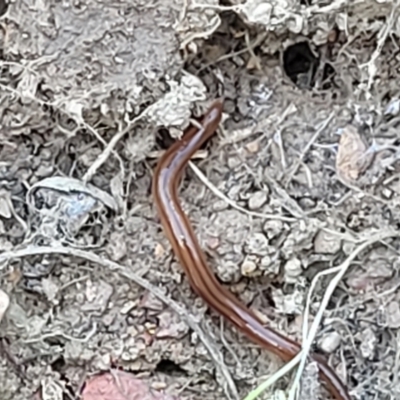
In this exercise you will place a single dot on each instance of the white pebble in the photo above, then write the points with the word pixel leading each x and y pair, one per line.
pixel 248 267
pixel 330 342
pixel 257 200
pixel 292 270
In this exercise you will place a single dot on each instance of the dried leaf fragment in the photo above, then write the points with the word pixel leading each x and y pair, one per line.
pixel 70 185
pixel 353 157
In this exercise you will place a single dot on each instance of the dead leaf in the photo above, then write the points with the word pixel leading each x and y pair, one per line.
pixel 353 157
pixel 69 185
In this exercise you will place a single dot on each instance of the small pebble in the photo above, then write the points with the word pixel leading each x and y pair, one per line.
pixel 270 265
pixel 50 289
pixel 117 247
pixel 368 343
pixel 248 267
pixel 393 107
pixel 257 244
pixel 326 243
pixel 348 247
pixel 292 269
pixel 272 228
pixel 213 243
pixel 128 306
pixel 233 162
pixel 150 327
pixel 257 200
pixel 46 154
pixel 330 342
pixel 159 251
pixel 306 203
pixel 44 171
pixel 292 303
pixel 387 193
pixel 158 385
pixel 220 205
pixel 393 315
pixel 253 147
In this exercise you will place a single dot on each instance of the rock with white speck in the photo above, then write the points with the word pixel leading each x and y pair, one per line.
pixel 253 147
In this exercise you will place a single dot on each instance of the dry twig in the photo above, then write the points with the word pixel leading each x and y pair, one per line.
pixel 102 158
pixel 308 146
pixel 218 193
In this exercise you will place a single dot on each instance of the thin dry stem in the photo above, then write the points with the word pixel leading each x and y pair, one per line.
pixel 307 147
pixel 218 193
pixel 382 36
pixel 105 154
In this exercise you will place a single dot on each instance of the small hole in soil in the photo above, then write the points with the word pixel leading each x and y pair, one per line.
pixel 300 64
pixel 170 368
pixel 58 365
pixel 164 139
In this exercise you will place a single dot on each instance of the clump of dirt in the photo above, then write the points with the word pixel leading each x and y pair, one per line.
pixel 295 200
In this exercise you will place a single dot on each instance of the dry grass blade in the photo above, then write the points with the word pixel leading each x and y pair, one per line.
pixel 218 193
pixel 322 127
